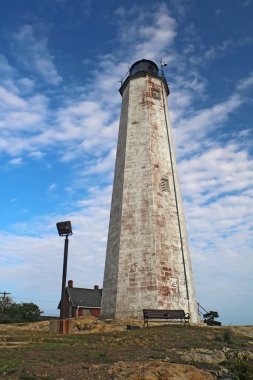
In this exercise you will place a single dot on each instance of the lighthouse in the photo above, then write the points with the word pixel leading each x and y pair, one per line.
pixel 148 264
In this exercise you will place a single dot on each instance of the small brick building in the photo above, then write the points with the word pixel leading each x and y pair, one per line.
pixel 80 301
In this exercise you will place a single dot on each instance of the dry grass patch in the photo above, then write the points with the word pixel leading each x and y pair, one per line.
pixel 96 348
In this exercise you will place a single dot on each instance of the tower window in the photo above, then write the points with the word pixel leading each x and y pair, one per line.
pixel 164 184
pixel 156 94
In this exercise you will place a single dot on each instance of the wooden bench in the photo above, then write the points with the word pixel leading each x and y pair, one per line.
pixel 165 314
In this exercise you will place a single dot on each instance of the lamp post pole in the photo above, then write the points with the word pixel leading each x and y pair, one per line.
pixel 64 273
pixel 64 229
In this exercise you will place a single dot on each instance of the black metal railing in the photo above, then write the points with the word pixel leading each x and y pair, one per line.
pixel 201 310
pixel 159 73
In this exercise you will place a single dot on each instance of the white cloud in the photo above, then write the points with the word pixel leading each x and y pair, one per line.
pixel 52 187
pixel 91 124
pixel 203 55
pixel 149 33
pixel 5 67
pixel 88 124
pixel 245 83
pixel 22 118
pixel 9 99
pixel 16 161
pixel 121 12
pixel 202 123
pixel 36 154
pixel 34 54
pixel 104 164
pixel 26 85
pixel 218 171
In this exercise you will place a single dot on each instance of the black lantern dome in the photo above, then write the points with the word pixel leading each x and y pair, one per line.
pixel 144 65
pixel 142 68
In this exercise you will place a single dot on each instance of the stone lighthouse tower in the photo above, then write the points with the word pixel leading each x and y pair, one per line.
pixel 148 262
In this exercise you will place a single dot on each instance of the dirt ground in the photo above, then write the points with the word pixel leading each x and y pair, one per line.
pixel 108 351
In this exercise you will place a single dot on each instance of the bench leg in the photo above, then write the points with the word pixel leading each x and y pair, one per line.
pixel 145 323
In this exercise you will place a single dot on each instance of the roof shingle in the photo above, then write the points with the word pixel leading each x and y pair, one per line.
pixel 85 297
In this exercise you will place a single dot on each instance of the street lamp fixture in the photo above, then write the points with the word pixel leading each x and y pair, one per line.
pixel 64 229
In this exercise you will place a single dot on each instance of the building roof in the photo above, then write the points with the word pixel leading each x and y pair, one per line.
pixel 85 297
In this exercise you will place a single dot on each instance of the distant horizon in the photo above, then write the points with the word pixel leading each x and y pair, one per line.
pixel 61 65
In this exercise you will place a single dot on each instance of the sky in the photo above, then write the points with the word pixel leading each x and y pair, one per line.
pixel 61 62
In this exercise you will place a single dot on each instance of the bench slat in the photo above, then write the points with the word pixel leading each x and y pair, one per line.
pixel 165 314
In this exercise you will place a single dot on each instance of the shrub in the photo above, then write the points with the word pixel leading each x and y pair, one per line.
pixel 23 312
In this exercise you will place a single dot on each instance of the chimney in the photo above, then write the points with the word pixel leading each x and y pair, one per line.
pixel 70 283
pixel 96 287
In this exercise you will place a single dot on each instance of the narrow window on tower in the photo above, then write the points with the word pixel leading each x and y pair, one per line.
pixel 164 184
pixel 156 94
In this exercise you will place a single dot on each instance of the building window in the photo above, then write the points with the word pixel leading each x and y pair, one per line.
pixel 164 184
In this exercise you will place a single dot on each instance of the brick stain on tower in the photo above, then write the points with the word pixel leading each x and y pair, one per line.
pixel 147 260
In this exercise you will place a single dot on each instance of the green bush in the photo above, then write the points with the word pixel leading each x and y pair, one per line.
pixel 209 318
pixel 23 312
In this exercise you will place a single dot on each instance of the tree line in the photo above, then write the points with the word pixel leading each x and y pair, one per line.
pixel 12 312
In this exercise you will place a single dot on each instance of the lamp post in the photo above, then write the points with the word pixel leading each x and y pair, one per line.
pixel 64 229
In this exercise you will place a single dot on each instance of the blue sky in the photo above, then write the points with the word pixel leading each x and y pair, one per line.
pixel 60 66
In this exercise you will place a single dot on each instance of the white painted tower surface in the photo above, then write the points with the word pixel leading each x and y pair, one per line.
pixel 148 263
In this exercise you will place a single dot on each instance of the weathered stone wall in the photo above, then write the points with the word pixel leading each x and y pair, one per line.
pixel 147 262
pixel 109 295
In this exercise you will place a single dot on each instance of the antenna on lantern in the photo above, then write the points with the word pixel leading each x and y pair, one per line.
pixel 163 63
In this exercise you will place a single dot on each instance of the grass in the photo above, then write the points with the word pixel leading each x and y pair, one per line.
pixel 241 368
pixel 44 355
